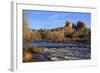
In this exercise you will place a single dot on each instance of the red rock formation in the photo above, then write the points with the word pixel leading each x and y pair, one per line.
pixel 81 24
pixel 68 24
pixel 68 27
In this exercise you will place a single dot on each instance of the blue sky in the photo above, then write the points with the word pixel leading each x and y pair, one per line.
pixel 52 19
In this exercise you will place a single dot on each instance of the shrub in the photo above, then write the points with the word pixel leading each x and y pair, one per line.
pixel 35 36
pixel 27 57
pixel 68 34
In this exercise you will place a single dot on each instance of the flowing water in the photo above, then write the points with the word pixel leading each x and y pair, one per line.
pixel 58 51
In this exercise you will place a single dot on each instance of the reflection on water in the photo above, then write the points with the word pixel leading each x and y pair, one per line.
pixel 55 44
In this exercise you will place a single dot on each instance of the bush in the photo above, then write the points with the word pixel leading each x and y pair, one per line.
pixel 68 34
pixel 27 57
pixel 35 36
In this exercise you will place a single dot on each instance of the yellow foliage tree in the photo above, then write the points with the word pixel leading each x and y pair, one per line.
pixel 26 30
